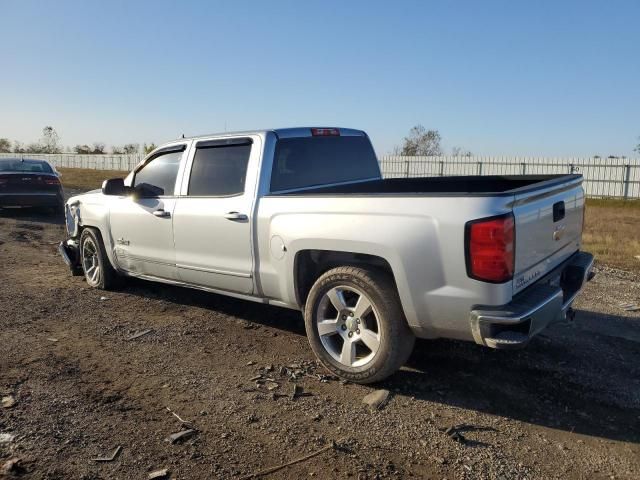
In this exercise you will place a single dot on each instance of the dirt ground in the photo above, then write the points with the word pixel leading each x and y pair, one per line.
pixel 568 406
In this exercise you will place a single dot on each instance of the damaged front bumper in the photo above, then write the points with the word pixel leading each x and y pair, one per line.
pixel 70 252
pixel 550 299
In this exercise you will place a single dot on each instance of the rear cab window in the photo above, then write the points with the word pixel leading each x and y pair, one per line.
pixel 302 162
pixel 219 168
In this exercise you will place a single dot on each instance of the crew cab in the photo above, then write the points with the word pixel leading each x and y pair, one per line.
pixel 301 218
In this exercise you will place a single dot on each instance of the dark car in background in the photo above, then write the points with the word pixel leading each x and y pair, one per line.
pixel 30 183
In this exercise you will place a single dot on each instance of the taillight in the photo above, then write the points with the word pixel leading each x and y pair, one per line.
pixel 52 181
pixel 325 132
pixel 489 244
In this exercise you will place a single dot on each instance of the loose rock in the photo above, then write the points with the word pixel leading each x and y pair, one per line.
pixel 8 401
pixel 159 474
pixel 377 399
pixel 181 436
pixel 6 438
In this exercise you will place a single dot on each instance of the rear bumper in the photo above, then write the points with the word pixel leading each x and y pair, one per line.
pixel 550 299
pixel 52 199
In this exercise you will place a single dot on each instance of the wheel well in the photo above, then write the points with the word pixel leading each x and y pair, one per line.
pixel 310 264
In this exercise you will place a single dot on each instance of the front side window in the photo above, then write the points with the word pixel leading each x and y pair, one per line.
pixel 219 169
pixel 158 177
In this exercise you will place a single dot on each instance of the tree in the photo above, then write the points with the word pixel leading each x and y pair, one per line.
pixel 98 148
pixel 35 148
pixel 131 148
pixel 82 149
pixel 421 141
pixel 5 145
pixel 460 152
pixel 637 149
pixel 50 139
pixel 117 150
pixel 18 147
pixel 148 148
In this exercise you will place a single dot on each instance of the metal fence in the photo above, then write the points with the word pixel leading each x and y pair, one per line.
pixel 604 177
pixel 73 160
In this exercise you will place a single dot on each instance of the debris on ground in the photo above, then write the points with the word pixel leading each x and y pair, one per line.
pixel 267 471
pixel 159 474
pixel 52 339
pixel 13 466
pixel 111 457
pixel 6 438
pixel 271 385
pixel 455 435
pixel 184 422
pixel 139 334
pixel 297 390
pixel 377 399
pixel 181 436
pixel 630 307
pixel 8 401
pixel 102 299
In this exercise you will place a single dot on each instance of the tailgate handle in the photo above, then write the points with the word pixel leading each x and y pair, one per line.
pixel 558 211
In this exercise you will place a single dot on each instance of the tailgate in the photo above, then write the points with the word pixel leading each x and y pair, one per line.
pixel 548 229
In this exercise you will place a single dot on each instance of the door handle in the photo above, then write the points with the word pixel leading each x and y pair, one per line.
pixel 235 216
pixel 162 214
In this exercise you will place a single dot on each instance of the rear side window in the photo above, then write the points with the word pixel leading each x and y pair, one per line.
pixel 219 169
pixel 308 161
pixel 158 177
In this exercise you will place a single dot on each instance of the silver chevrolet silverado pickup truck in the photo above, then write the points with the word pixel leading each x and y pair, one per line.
pixel 302 218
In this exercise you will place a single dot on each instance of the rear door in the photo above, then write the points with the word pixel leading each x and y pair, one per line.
pixel 142 224
pixel 213 216
pixel 548 229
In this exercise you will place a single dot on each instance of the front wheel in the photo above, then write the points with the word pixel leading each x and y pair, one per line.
pixel 355 324
pixel 97 269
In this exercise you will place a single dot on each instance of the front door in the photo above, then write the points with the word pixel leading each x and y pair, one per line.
pixel 142 224
pixel 212 219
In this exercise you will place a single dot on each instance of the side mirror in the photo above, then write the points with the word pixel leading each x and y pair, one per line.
pixel 114 186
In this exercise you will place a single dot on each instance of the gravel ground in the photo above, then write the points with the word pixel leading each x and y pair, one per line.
pixel 568 406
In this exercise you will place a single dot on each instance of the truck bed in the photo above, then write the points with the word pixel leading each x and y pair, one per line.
pixel 476 185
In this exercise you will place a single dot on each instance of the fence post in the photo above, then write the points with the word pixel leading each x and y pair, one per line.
pixel 524 168
pixel 627 180
pixel 479 168
pixel 441 168
pixel 406 168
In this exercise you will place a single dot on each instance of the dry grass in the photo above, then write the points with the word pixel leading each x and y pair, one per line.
pixel 612 232
pixel 87 179
pixel 612 227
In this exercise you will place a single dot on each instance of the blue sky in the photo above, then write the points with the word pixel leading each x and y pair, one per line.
pixel 548 78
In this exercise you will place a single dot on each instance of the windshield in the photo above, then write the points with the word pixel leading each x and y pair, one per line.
pixel 323 160
pixel 31 166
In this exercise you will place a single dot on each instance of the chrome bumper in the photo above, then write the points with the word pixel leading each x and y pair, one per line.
pixel 550 299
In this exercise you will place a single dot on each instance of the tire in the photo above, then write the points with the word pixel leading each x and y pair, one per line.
pixel 96 266
pixel 360 343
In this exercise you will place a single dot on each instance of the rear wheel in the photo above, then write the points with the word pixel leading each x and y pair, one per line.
pixel 356 326
pixel 97 269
